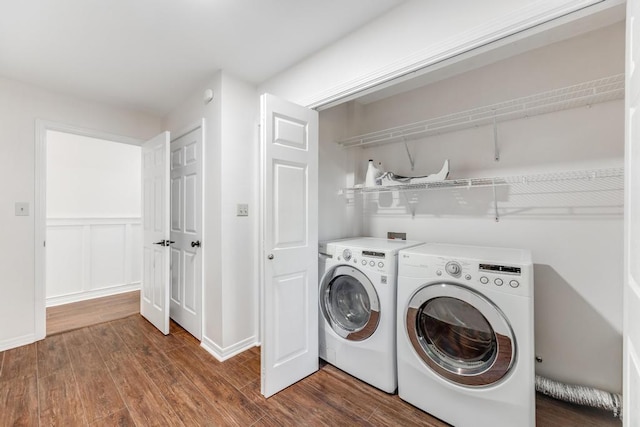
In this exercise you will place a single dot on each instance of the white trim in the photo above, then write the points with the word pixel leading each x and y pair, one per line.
pixel 89 295
pixel 81 131
pixel 203 156
pixel 40 208
pixel 528 17
pixel 18 342
pixel 40 230
pixel 67 221
pixel 222 354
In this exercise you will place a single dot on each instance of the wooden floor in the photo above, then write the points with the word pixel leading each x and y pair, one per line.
pixel 126 373
pixel 76 315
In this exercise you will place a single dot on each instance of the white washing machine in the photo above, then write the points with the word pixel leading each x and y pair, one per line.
pixel 465 334
pixel 357 297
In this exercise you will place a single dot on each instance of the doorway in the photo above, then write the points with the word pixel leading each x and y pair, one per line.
pixel 92 227
pixel 129 257
pixel 93 218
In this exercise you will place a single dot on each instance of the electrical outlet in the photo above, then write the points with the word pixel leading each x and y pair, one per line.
pixel 242 209
pixel 396 236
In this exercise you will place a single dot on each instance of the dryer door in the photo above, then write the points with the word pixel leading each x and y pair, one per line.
pixel 349 303
pixel 460 334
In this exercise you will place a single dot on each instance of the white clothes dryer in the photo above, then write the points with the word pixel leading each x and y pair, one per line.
pixel 357 297
pixel 465 334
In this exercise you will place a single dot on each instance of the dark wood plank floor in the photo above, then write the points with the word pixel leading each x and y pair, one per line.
pixel 126 373
pixel 66 317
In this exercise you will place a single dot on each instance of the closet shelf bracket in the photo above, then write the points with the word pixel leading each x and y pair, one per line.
pixel 411 204
pixel 495 202
pixel 496 151
pixel 411 159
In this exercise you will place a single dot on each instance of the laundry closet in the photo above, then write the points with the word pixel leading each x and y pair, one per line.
pixel 535 143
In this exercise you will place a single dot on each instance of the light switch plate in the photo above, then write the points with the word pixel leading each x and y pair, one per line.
pixel 242 209
pixel 22 209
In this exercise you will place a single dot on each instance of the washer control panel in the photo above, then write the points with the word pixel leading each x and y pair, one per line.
pixel 382 262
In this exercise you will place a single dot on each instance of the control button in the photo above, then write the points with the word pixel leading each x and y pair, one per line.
pixel 355 261
pixel 346 254
pixel 484 280
pixel 381 264
pixel 439 272
pixel 514 283
pixel 364 262
pixel 372 263
pixel 498 282
pixel 453 268
pixel 468 277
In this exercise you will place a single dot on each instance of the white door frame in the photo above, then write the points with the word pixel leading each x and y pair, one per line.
pixel 40 208
pixel 200 124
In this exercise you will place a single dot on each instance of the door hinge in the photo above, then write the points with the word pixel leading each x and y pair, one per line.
pixel 44 243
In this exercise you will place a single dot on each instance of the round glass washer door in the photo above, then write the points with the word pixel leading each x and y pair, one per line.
pixel 349 303
pixel 460 334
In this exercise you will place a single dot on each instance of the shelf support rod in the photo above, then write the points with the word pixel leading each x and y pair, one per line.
pixel 410 206
pixel 495 201
pixel 495 138
pixel 411 159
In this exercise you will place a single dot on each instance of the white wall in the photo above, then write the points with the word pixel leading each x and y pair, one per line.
pixel 416 32
pixel 94 237
pixel 91 177
pixel 577 252
pixel 231 166
pixel 20 105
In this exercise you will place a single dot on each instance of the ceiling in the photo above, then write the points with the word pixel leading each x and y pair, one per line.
pixel 148 55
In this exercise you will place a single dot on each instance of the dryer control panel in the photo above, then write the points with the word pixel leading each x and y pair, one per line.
pixel 506 278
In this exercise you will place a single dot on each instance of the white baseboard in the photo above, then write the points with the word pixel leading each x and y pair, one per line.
pixel 17 342
pixel 87 295
pixel 222 354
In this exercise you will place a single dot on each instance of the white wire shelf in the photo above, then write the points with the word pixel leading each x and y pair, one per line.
pixel 579 95
pixel 604 179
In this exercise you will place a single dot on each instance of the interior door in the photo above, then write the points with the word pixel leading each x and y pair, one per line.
pixel 289 234
pixel 631 310
pixel 186 231
pixel 154 298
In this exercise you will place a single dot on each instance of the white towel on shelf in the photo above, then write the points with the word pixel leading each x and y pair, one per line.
pixel 389 178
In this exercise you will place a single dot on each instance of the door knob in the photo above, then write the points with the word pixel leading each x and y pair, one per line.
pixel 164 242
pixel 270 256
pixel 195 244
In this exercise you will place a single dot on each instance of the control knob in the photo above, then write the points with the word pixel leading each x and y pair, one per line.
pixel 346 254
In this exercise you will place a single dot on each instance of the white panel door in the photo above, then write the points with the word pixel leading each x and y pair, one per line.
pixel 154 298
pixel 186 231
pixel 289 231
pixel 631 309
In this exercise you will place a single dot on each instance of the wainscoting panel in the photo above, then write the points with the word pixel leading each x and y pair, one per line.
pixel 92 257
pixel 65 269
pixel 108 252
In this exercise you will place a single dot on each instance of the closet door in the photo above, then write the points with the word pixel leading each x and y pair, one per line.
pixel 289 236
pixel 631 310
